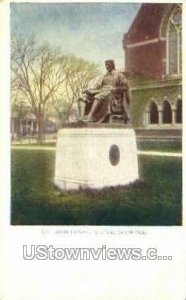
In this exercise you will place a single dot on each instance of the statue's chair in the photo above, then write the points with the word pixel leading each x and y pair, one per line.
pixel 119 110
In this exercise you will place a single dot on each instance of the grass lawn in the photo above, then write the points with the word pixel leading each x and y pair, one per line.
pixel 154 200
pixel 158 145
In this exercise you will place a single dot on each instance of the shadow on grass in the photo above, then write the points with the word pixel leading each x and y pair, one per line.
pixel 154 200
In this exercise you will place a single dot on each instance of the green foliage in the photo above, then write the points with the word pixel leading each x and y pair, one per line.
pixel 78 73
pixel 154 200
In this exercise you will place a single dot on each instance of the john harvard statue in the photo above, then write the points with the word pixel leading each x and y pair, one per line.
pixel 111 95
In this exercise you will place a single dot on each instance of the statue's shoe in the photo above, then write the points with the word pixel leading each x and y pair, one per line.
pixel 87 119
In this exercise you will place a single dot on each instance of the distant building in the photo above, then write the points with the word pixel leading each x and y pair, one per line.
pixel 153 60
pixel 27 126
pixel 23 126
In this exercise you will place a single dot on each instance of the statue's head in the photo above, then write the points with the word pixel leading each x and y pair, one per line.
pixel 110 65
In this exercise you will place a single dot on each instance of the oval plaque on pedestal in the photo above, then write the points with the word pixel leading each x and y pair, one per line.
pixel 114 155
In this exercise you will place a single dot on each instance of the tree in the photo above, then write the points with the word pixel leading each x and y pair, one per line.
pixel 37 75
pixel 78 75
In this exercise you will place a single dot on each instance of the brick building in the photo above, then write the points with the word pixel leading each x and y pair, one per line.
pixel 153 60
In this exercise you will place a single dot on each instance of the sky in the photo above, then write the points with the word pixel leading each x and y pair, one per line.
pixel 93 31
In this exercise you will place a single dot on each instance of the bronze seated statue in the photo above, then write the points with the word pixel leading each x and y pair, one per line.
pixel 109 101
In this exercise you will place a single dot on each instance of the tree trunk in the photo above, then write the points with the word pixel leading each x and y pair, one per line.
pixel 40 122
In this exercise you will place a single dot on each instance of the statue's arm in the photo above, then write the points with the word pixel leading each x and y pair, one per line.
pixel 95 87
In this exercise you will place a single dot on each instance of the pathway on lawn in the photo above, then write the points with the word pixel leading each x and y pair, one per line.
pixel 29 147
pixel 160 153
pixel 150 153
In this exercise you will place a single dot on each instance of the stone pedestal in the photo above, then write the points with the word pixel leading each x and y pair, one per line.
pixel 95 158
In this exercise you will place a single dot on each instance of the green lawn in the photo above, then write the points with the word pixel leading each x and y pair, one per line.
pixel 158 145
pixel 154 200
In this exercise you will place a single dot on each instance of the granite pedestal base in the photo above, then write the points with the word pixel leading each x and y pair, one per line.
pixel 95 158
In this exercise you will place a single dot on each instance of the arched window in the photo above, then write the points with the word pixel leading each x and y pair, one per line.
pixel 154 113
pixel 179 111
pixel 167 113
pixel 174 42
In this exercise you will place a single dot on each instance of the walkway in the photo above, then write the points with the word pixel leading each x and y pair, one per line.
pixel 160 153
pixel 28 147
pixel 149 153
